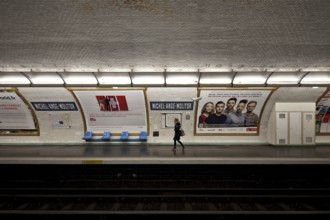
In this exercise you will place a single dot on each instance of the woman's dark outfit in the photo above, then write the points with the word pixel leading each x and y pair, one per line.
pixel 177 134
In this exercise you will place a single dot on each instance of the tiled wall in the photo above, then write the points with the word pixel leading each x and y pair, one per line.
pixel 48 134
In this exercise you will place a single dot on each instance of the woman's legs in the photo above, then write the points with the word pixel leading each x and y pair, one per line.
pixel 175 140
pixel 181 143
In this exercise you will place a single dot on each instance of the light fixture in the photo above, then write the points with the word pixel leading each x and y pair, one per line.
pixel 250 78
pixel 316 78
pixel 79 79
pixel 216 78
pixel 285 78
pixel 13 78
pixel 147 78
pixel 113 78
pixel 182 78
pixel 45 78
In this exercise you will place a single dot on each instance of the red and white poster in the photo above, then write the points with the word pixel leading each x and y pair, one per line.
pixel 230 111
pixel 113 110
pixel 14 113
pixel 322 117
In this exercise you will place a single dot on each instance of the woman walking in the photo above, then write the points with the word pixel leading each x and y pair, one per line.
pixel 177 133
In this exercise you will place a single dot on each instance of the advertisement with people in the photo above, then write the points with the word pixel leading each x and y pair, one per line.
pixel 322 117
pixel 230 111
pixel 113 110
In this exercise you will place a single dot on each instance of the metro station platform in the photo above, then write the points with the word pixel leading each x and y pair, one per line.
pixel 163 154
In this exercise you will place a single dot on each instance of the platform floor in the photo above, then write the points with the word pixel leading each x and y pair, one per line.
pixel 163 154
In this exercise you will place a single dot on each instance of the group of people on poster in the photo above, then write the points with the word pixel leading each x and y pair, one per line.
pixel 322 119
pixel 112 103
pixel 104 103
pixel 229 114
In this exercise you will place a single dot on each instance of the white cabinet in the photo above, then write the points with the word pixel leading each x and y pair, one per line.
pixel 308 128
pixel 294 124
pixel 282 128
pixel 295 128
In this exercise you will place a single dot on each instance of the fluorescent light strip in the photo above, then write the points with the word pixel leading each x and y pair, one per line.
pixel 182 78
pixel 79 78
pixel 45 78
pixel 285 78
pixel 220 78
pixel 13 79
pixel 113 78
pixel 316 78
pixel 253 78
pixel 148 78
pixel 158 78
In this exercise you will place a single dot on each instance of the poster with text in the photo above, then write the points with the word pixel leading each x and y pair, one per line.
pixel 14 113
pixel 322 117
pixel 113 110
pixel 230 111
pixel 60 120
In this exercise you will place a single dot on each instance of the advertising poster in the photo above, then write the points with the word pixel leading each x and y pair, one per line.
pixel 168 119
pixel 60 120
pixel 14 113
pixel 113 110
pixel 322 117
pixel 230 111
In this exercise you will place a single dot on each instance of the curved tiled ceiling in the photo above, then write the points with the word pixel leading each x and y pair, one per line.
pixel 182 35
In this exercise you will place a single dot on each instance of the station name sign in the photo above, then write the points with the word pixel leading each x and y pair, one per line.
pixel 54 106
pixel 171 106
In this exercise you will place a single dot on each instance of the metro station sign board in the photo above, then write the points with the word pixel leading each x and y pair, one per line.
pixel 170 106
pixel 54 106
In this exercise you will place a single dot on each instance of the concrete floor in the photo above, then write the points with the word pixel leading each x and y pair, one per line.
pixel 153 154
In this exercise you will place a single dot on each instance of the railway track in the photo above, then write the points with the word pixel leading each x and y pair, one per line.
pixel 160 192
pixel 162 201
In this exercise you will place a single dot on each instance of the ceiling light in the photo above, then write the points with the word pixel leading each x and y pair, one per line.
pixel 187 78
pixel 250 78
pixel 8 79
pixel 45 78
pixel 316 78
pixel 79 78
pixel 216 78
pixel 285 78
pixel 147 78
pixel 113 78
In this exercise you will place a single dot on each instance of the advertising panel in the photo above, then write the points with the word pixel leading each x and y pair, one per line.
pixel 14 113
pixel 322 117
pixel 113 110
pixel 230 111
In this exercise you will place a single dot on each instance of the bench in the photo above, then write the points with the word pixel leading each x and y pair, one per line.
pixel 107 137
pixel 89 136
pixel 143 136
pixel 124 136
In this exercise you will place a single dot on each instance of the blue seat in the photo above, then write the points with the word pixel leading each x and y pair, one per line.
pixel 124 136
pixel 143 136
pixel 106 136
pixel 88 136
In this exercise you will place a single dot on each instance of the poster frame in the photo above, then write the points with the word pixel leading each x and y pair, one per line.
pixel 22 132
pixel 318 100
pixel 272 89
pixel 72 90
